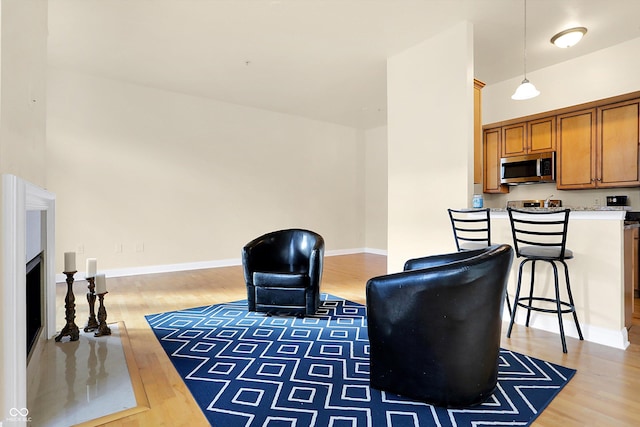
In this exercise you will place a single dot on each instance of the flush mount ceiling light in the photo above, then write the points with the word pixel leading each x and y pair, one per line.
pixel 568 38
pixel 526 90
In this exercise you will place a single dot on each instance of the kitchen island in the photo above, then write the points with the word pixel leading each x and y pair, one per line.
pixel 596 237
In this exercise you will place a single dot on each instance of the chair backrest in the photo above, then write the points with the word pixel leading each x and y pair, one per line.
pixel 435 330
pixel 471 228
pixel 546 230
pixel 290 247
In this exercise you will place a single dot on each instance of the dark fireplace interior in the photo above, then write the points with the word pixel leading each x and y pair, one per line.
pixel 34 300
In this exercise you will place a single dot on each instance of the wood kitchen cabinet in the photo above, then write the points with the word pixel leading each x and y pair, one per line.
pixel 575 166
pixel 535 136
pixel 477 131
pixel 598 147
pixel 514 140
pixel 541 135
pixel 491 161
pixel 617 145
pixel 597 143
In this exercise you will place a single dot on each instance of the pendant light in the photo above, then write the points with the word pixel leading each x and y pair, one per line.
pixel 526 90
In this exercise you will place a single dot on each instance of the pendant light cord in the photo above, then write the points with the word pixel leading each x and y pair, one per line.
pixel 525 39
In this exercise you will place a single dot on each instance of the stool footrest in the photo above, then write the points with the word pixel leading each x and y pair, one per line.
pixel 528 306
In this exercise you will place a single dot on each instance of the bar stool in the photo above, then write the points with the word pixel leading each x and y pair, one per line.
pixel 472 230
pixel 542 236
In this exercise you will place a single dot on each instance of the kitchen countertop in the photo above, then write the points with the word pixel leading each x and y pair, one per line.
pixel 572 208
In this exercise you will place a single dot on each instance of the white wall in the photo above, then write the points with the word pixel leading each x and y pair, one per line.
pixel 173 179
pixel 23 89
pixel 376 178
pixel 23 48
pixel 602 74
pixel 430 127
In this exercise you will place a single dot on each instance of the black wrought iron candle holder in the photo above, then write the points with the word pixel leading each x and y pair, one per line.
pixel 70 329
pixel 103 329
pixel 92 322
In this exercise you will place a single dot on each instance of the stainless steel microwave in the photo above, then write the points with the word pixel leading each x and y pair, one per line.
pixel 528 169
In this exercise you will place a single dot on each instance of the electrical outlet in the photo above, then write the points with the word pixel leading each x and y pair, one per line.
pixel 80 249
pixel 140 247
pixel 596 202
pixel 118 248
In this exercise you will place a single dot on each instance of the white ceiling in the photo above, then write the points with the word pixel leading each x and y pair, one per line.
pixel 322 59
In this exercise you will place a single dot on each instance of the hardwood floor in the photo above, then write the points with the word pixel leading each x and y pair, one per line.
pixel 604 392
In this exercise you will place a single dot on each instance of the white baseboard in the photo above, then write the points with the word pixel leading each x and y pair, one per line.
pixel 168 268
pixel 609 337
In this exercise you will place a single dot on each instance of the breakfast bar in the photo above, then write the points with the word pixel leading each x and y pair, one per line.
pixel 596 237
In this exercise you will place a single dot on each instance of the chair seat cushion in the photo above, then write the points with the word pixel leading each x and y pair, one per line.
pixel 279 299
pixel 280 280
pixel 471 246
pixel 544 252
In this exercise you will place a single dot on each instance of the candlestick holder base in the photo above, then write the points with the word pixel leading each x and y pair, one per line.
pixel 70 329
pixel 103 329
pixel 92 322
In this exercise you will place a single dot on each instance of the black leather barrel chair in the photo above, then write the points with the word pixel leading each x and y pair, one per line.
pixel 435 328
pixel 283 270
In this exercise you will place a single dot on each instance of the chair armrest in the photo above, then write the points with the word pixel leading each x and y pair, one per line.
pixel 316 263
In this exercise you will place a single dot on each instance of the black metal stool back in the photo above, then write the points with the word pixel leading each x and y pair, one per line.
pixel 542 236
pixel 472 231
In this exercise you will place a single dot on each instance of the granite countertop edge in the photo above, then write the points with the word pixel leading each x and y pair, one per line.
pixel 572 208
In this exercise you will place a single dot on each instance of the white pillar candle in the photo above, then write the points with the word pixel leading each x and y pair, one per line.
pixel 101 284
pixel 69 262
pixel 92 265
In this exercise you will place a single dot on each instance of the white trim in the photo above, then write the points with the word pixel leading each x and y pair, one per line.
pixel 18 196
pixel 611 338
pixel 376 251
pixel 14 369
pixel 549 323
pixel 168 268
pixel 153 269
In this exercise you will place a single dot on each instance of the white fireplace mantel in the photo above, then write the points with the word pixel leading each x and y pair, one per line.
pixel 18 197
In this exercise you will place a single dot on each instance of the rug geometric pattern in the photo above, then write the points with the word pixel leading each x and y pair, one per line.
pixel 246 369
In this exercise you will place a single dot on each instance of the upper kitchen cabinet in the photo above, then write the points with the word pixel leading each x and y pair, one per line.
pixel 597 143
pixel 576 150
pixel 514 140
pixel 598 147
pixel 534 136
pixel 618 139
pixel 491 160
pixel 542 135
pixel 477 131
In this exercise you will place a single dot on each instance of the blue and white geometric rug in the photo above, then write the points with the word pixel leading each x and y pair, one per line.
pixel 246 369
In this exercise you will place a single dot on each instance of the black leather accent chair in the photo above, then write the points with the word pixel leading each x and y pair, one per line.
pixel 435 328
pixel 283 270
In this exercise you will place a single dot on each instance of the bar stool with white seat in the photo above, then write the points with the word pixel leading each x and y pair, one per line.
pixel 542 236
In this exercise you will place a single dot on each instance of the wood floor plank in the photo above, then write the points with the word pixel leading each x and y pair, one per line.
pixel 604 392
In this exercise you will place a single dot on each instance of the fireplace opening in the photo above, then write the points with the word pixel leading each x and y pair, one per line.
pixel 35 309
